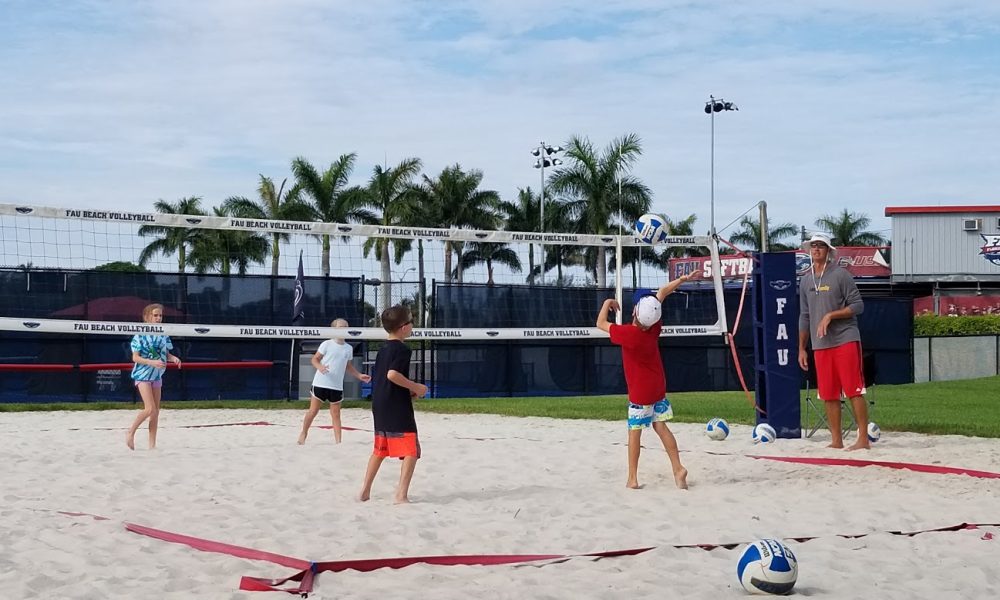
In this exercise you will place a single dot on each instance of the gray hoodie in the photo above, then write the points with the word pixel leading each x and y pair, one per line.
pixel 832 290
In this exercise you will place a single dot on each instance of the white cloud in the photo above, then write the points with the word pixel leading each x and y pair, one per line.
pixel 119 104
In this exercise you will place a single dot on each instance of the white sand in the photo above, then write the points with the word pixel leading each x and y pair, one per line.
pixel 539 486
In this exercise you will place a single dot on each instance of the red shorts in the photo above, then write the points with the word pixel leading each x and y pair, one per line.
pixel 396 445
pixel 838 370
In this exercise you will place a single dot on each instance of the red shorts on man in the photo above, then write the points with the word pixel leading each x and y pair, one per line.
pixel 838 370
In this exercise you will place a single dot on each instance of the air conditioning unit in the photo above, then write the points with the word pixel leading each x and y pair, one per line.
pixel 972 224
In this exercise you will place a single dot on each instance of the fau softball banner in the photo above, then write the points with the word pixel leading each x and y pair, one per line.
pixel 860 261
pixel 776 343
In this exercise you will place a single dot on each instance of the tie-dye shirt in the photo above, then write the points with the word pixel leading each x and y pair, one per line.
pixel 150 347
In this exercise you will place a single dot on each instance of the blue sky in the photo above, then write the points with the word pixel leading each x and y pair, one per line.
pixel 843 104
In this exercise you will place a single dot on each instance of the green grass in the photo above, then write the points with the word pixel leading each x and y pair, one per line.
pixel 969 407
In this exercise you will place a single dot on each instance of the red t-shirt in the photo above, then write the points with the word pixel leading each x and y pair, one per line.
pixel 644 376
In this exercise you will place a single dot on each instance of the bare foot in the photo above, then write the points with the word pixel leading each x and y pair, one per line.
pixel 302 438
pixel 681 478
pixel 859 445
pixel 130 442
pixel 633 484
pixel 840 445
pixel 364 496
pixel 403 500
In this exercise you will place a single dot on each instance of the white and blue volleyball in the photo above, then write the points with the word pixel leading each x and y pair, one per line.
pixel 763 434
pixel 874 433
pixel 717 429
pixel 651 228
pixel 767 567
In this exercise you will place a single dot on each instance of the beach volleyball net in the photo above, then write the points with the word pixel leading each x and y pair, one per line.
pixel 74 283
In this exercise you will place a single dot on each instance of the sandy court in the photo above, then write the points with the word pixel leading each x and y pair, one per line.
pixel 486 484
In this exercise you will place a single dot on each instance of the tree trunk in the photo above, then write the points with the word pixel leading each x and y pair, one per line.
pixel 602 273
pixel 531 264
pixel 326 256
pixel 385 290
pixel 181 258
pixel 422 289
pixel 489 271
pixel 447 262
pixel 275 254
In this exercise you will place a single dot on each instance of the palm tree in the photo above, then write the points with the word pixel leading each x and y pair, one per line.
pixel 632 256
pixel 332 200
pixel 683 227
pixel 274 204
pixel 488 253
pixel 523 216
pixel 173 239
pixel 849 229
pixel 418 209
pixel 749 236
pixel 591 183
pixel 459 203
pixel 389 192
pixel 220 249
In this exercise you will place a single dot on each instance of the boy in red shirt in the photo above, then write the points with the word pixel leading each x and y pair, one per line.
pixel 644 376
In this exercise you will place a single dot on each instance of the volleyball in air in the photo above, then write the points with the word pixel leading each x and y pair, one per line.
pixel 763 433
pixel 717 429
pixel 767 567
pixel 651 228
pixel 874 433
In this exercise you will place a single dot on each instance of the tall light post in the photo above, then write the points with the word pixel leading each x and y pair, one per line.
pixel 403 276
pixel 545 157
pixel 712 106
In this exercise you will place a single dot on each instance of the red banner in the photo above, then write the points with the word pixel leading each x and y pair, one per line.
pixel 860 261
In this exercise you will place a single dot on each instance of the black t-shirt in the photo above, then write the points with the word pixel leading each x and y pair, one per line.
pixel 391 404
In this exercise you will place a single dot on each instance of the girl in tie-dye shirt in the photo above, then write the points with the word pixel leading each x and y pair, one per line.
pixel 150 353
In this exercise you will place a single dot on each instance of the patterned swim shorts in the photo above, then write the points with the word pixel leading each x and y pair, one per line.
pixel 641 416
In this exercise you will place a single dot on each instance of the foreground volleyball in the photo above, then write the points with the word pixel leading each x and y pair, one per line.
pixel 767 567
pixel 874 433
pixel 717 429
pixel 763 433
pixel 651 228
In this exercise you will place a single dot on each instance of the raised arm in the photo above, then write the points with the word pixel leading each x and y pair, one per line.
pixel 668 288
pixel 602 317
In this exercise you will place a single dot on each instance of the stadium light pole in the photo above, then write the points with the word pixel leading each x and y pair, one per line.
pixel 712 106
pixel 544 157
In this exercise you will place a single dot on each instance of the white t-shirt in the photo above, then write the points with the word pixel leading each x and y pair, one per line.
pixel 335 357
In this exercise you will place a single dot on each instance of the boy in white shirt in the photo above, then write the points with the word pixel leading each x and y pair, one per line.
pixel 332 360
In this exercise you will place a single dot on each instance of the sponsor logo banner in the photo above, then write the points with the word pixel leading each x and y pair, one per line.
pixel 860 261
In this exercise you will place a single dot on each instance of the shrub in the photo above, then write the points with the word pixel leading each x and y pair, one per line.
pixel 937 325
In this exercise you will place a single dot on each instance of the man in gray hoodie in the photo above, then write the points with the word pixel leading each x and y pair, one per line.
pixel 829 302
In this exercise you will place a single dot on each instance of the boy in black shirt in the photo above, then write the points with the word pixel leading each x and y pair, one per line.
pixel 392 405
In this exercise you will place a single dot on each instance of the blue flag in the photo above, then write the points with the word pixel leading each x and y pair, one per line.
pixel 299 306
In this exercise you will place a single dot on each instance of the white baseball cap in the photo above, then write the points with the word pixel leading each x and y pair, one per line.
pixel 819 237
pixel 647 311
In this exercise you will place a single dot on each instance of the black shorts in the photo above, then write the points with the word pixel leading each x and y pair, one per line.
pixel 327 395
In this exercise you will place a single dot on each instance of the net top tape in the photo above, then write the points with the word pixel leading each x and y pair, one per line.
pixel 338 229
pixel 65 326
